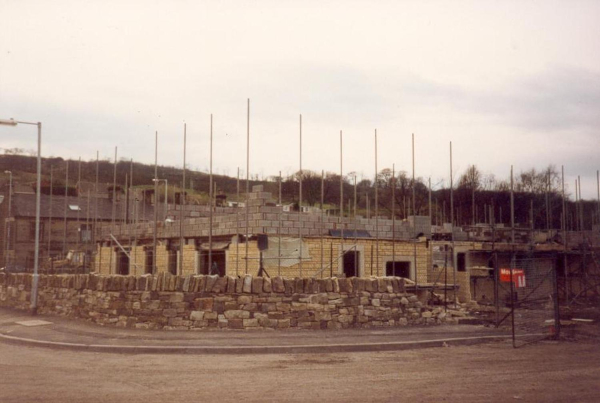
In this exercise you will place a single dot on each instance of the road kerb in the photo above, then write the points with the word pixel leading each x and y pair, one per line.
pixel 280 349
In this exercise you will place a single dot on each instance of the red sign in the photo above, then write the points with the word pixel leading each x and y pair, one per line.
pixel 518 277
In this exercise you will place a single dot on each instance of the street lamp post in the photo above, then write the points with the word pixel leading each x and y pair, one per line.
pixel 9 213
pixel 36 259
pixel 166 194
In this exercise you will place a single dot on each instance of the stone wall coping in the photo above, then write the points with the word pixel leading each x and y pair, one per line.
pixel 245 284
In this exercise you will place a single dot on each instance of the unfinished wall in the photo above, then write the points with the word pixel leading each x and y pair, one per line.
pixel 268 219
pixel 22 238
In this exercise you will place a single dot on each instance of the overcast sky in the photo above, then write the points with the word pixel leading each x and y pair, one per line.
pixel 508 82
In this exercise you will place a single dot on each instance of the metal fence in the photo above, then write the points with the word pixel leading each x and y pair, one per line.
pixel 527 300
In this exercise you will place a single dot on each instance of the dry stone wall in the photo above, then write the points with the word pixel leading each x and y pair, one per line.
pixel 200 302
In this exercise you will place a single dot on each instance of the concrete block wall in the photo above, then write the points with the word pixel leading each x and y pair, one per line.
pixel 271 220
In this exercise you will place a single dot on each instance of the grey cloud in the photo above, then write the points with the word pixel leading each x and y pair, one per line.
pixel 556 100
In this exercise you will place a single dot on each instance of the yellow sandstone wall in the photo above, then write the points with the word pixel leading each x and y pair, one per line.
pixel 189 259
pixel 162 258
pixel 371 262
pixel 236 264
pixel 105 260
pixel 137 263
pixel 325 264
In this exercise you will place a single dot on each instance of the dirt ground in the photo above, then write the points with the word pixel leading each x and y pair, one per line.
pixel 546 371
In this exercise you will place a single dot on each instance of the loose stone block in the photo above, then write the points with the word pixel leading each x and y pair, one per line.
pixel 237 314
pixel 247 288
pixel 210 315
pixel 257 285
pixel 401 285
pixel 346 319
pixel 210 282
pixel 220 285
pixel 352 301
pixel 176 297
pixel 250 322
pixel 267 287
pixel 289 285
pixel 359 284
pixel 197 315
pixel 204 304
pixel 308 285
pixel 278 285
pixel 230 285
pixel 239 285
pixel 388 285
pixel 179 280
pixel 235 323
pixel 186 283
pixel 200 283
pixel 283 323
pixel 345 285
pixel 299 285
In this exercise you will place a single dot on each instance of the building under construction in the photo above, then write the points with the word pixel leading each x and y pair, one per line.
pixel 261 238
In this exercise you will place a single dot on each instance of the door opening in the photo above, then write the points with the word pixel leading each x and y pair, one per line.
pixel 351 263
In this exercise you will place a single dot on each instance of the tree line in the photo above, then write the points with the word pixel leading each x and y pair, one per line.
pixel 477 198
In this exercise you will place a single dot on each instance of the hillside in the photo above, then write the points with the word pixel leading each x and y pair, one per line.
pixel 534 191
pixel 24 171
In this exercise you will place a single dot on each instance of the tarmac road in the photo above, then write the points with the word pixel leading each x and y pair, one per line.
pixel 546 371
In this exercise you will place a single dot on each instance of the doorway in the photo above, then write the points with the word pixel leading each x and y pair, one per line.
pixel 149 266
pixel 351 263
pixel 122 263
pixel 172 261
